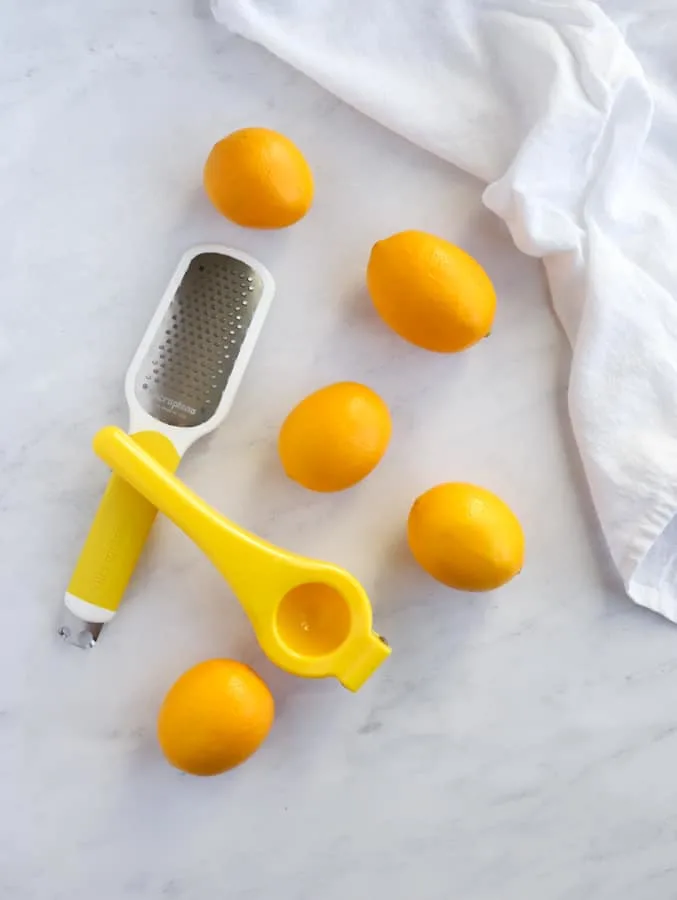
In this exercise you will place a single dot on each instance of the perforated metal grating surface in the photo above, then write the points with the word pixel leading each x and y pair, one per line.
pixel 183 376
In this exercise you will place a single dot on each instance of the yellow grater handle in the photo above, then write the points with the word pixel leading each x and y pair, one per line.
pixel 115 540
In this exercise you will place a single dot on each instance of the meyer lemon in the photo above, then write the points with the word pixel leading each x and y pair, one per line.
pixel 430 292
pixel 258 178
pixel 214 717
pixel 334 437
pixel 465 537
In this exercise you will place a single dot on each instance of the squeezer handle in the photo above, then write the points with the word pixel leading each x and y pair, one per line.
pixel 116 539
pixel 277 589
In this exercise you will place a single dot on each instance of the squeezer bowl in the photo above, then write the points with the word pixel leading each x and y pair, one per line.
pixel 313 619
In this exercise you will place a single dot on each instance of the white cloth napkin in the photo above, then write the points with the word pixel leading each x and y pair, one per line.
pixel 567 109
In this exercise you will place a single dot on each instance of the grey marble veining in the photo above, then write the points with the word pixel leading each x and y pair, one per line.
pixel 519 744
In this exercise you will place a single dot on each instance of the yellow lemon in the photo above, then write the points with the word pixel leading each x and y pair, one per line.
pixel 258 178
pixel 466 537
pixel 335 437
pixel 214 717
pixel 430 292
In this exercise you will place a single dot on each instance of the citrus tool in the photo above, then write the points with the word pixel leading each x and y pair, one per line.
pixel 311 618
pixel 179 387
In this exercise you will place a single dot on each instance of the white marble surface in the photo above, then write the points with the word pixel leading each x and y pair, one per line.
pixel 516 745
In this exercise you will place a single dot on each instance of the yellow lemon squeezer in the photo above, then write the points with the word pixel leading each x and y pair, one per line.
pixel 311 618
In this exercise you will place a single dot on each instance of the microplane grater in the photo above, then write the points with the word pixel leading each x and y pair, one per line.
pixel 179 387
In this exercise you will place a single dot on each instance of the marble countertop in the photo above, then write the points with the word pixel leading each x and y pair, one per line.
pixel 515 745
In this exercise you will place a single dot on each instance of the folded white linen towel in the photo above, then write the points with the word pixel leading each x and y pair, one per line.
pixel 567 110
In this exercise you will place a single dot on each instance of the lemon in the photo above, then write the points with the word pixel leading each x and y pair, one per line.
pixel 259 178
pixel 430 292
pixel 335 437
pixel 215 716
pixel 465 537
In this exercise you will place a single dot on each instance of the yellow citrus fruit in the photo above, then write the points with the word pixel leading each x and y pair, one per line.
pixel 466 537
pixel 214 717
pixel 430 292
pixel 334 437
pixel 259 178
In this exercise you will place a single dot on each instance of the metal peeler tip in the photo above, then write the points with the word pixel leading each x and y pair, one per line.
pixel 78 632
